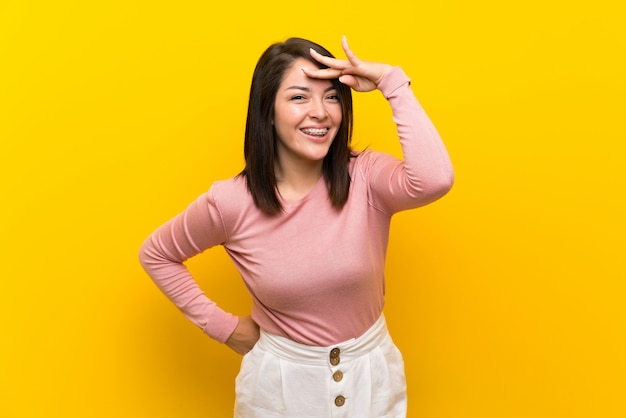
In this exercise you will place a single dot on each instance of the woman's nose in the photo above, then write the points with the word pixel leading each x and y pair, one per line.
pixel 317 109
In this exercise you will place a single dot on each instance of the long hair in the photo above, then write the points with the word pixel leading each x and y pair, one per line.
pixel 260 137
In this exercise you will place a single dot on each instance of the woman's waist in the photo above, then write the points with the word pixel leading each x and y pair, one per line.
pixel 332 354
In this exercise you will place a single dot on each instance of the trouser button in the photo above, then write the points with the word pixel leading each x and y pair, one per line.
pixel 340 400
pixel 334 356
pixel 337 376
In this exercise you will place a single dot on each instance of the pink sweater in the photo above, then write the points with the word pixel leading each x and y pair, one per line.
pixel 315 274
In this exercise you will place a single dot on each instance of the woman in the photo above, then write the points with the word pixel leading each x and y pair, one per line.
pixel 306 223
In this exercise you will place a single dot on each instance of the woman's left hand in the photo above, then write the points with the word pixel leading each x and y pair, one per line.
pixel 359 75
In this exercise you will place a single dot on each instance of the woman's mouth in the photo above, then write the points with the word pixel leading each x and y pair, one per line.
pixel 316 132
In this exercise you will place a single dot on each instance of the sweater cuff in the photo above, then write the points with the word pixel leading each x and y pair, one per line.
pixel 226 324
pixel 392 81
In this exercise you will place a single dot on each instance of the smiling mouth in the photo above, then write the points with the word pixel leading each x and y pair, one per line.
pixel 319 132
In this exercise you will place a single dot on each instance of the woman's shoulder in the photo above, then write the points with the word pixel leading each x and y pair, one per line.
pixel 229 187
pixel 234 203
pixel 229 193
pixel 363 161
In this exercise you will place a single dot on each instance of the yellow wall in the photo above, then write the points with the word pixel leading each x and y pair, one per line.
pixel 506 297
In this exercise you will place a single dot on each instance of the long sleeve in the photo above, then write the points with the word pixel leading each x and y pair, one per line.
pixel 426 173
pixel 162 255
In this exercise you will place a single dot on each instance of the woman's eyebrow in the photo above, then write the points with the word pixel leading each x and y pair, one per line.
pixel 298 88
pixel 308 89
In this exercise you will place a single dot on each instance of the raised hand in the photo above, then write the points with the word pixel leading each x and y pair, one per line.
pixel 358 74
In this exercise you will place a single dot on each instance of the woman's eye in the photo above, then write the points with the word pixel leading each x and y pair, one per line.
pixel 297 98
pixel 333 97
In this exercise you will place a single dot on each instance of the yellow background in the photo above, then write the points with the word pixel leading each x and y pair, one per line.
pixel 506 297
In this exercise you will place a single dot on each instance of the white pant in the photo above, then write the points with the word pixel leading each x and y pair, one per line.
pixel 360 378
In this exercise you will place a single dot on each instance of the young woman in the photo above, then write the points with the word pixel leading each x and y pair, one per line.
pixel 306 223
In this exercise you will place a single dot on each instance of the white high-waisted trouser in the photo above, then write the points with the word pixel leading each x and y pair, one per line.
pixel 360 378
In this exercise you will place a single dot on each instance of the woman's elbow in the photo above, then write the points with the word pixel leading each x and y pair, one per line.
pixel 437 187
pixel 147 254
pixel 447 181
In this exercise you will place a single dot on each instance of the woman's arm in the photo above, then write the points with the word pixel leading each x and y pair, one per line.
pixel 426 173
pixel 162 255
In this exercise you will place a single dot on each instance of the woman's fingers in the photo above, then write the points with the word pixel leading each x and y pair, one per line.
pixel 359 75
pixel 329 61
pixel 325 73
pixel 336 67
pixel 352 58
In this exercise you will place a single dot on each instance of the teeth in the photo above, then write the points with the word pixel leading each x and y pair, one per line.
pixel 315 131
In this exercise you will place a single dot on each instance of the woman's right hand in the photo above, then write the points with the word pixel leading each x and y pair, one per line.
pixel 245 335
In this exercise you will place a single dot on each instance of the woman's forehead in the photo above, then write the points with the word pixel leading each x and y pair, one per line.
pixel 294 76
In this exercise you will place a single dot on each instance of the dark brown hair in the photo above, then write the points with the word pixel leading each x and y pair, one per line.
pixel 260 137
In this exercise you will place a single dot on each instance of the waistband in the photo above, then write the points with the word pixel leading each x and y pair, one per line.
pixel 321 356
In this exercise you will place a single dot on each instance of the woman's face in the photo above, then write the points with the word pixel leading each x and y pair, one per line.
pixel 307 116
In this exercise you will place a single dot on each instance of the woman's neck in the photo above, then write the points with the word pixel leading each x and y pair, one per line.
pixel 296 181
